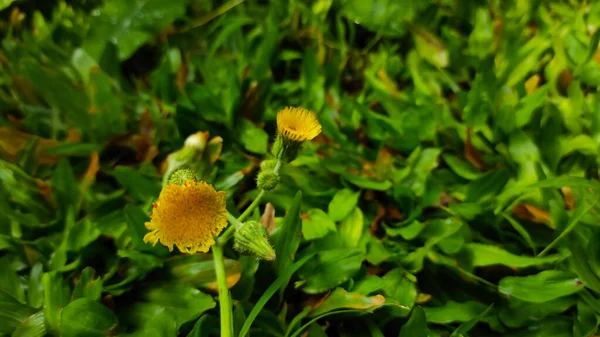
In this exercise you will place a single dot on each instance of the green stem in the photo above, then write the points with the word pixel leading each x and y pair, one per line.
pixel 259 197
pixel 233 225
pixel 252 206
pixel 224 298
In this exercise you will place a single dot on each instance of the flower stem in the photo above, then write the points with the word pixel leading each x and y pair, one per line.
pixel 252 206
pixel 224 298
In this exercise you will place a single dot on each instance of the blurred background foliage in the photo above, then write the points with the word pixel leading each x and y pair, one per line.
pixel 453 191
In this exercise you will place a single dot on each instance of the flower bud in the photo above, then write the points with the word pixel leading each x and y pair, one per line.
pixel 267 180
pixel 268 165
pixel 179 177
pixel 286 149
pixel 251 239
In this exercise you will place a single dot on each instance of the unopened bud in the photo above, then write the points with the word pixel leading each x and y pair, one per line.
pixel 268 165
pixel 179 177
pixel 267 180
pixel 286 149
pixel 251 239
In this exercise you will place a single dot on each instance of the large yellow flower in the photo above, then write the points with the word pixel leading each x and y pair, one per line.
pixel 189 216
pixel 298 124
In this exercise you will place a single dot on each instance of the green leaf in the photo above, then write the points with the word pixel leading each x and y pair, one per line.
pixel 464 328
pixel 486 255
pixel 454 312
pixel 184 303
pixel 12 315
pixel 10 282
pixel 367 183
pixel 416 326
pixel 56 297
pixel 141 187
pixel 252 137
pixel 329 269
pixel 33 326
pixel 400 286
pixel 542 287
pixel 383 16
pixel 519 313
pixel 316 224
pixel 342 204
pixel 341 299
pixel 491 183
pixel 5 4
pixel 553 326
pixel 580 261
pixel 35 289
pixel 351 228
pixel 198 270
pixel 85 317
pixel 130 24
pixel 461 167
pixel 87 286
pixel 278 284
pixel 64 185
pixel 287 239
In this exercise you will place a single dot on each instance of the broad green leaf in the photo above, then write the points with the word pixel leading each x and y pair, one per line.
pixel 252 137
pixel 329 269
pixel 56 297
pixel 35 289
pixel 454 312
pixel 316 224
pixel 416 326
pixel 553 326
pixel 364 182
pixel 9 281
pixel 12 315
pixel 341 299
pixel 342 204
pixel 130 24
pixel 33 326
pixel 287 239
pixel 486 255
pixel 5 3
pixel 85 317
pixel 460 167
pixel 87 286
pixel 518 313
pixel 399 285
pixel 141 187
pixel 278 284
pixel 542 287
pixel 184 303
pixel 351 228
pixel 464 328
pixel 198 270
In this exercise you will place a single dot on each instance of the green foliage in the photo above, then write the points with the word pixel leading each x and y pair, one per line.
pixel 453 191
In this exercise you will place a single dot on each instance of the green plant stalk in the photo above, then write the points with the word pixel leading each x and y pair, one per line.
pixel 252 206
pixel 259 197
pixel 225 307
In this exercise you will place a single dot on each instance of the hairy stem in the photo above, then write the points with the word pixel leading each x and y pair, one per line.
pixel 224 297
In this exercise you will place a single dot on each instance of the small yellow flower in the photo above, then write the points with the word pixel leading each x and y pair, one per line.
pixel 189 216
pixel 298 124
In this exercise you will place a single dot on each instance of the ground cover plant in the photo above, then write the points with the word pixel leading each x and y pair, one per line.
pixel 318 168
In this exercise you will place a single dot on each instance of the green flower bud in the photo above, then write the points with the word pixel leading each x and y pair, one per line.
pixel 267 180
pixel 179 177
pixel 268 165
pixel 286 149
pixel 251 239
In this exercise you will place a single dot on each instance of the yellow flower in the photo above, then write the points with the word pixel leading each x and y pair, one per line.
pixel 298 124
pixel 189 216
